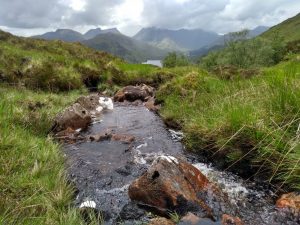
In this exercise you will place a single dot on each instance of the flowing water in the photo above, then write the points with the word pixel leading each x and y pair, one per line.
pixel 103 171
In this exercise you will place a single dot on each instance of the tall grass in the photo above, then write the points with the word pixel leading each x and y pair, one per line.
pixel 250 124
pixel 33 184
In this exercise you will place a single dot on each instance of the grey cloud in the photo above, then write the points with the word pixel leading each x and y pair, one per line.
pixel 215 15
pixel 96 12
pixel 54 13
pixel 219 16
pixel 30 13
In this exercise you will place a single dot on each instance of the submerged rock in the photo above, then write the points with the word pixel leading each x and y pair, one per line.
pixel 109 135
pixel 171 184
pixel 133 93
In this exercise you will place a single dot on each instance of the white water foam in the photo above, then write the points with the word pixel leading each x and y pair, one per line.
pixel 114 190
pixel 176 135
pixel 229 183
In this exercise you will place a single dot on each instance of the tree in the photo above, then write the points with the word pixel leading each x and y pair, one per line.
pixel 174 59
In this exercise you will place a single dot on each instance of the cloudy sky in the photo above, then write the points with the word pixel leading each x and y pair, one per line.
pixel 29 17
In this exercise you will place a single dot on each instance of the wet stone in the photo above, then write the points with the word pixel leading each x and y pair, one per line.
pixel 131 212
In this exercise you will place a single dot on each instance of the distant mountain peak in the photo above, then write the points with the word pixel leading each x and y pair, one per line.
pixel 98 31
pixel 181 38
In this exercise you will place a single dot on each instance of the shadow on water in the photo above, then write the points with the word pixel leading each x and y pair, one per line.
pixel 103 171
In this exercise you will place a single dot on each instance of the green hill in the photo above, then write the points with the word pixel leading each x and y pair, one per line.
pixel 50 65
pixel 288 29
pixel 125 47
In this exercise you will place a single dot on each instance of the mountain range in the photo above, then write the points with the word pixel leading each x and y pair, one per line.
pixel 181 40
pixel 125 47
pixel 69 35
pixel 109 40
pixel 148 43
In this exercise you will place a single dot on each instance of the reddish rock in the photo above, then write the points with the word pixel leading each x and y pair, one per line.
pixel 230 220
pixel 133 93
pixel 172 184
pixel 190 219
pixel 161 221
pixel 290 200
pixel 74 117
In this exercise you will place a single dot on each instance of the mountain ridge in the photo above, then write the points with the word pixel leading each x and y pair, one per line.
pixel 70 35
pixel 184 38
pixel 123 46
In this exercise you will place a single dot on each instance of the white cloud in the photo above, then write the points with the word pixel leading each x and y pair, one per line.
pixel 29 16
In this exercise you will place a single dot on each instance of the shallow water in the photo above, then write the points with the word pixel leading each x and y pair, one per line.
pixel 103 171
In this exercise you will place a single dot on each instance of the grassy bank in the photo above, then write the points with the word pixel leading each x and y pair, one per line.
pixel 33 185
pixel 50 65
pixel 248 125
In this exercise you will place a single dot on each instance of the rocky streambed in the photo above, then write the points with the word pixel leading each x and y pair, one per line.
pixel 125 163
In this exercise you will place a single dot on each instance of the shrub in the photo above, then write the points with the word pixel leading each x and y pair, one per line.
pixel 174 59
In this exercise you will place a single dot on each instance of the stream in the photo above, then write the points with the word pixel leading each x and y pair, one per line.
pixel 102 171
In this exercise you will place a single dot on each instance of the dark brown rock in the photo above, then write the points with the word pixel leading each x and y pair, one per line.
pixel 133 93
pixel 171 184
pixel 75 117
pixel 90 102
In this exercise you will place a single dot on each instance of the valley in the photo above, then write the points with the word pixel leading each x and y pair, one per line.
pixel 102 128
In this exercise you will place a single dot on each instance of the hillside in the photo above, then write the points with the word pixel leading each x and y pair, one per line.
pixel 289 30
pixel 125 47
pixel 220 42
pixel 178 39
pixel 49 65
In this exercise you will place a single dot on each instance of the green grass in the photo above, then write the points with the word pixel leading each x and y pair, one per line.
pixel 120 73
pixel 49 65
pixel 33 184
pixel 250 122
